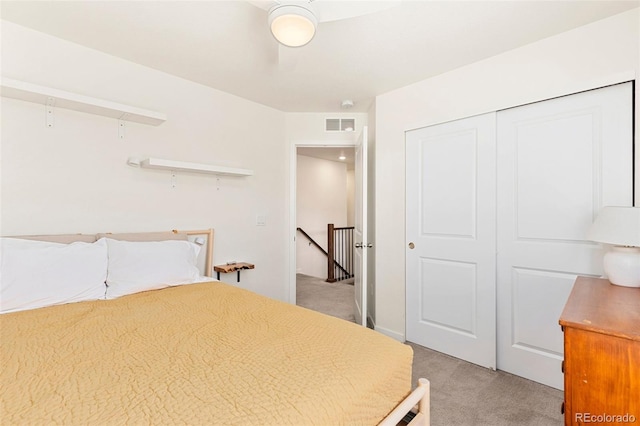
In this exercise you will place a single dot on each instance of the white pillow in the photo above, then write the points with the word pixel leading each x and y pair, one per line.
pixel 34 274
pixel 141 266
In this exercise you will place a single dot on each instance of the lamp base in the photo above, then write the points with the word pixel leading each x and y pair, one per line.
pixel 622 266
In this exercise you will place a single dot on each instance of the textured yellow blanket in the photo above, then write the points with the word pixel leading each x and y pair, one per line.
pixel 197 354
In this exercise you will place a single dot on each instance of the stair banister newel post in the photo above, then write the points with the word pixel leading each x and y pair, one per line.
pixel 340 259
pixel 331 278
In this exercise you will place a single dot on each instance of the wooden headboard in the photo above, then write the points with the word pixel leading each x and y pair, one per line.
pixel 175 234
pixel 208 265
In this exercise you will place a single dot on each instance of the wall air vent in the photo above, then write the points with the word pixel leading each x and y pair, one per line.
pixel 340 124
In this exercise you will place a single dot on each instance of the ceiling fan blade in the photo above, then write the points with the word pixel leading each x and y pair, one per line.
pixel 328 10
pixel 263 4
pixel 332 10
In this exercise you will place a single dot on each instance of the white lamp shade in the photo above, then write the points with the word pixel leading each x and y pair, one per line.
pixel 619 226
pixel 292 25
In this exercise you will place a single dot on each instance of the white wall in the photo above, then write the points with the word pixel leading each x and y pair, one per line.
pixel 598 54
pixel 321 199
pixel 351 197
pixel 74 177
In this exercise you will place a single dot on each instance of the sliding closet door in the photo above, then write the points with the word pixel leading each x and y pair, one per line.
pixel 450 238
pixel 559 162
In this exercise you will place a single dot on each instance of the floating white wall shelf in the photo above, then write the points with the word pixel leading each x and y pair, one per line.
pixel 60 99
pixel 157 163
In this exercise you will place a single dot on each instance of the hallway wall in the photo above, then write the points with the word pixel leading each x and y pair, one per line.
pixel 321 198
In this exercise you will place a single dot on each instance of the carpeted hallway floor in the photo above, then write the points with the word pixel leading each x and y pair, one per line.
pixel 335 299
pixel 462 394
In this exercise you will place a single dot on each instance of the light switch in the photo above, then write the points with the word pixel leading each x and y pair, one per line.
pixel 261 220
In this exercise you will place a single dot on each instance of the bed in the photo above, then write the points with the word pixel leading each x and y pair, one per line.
pixel 202 352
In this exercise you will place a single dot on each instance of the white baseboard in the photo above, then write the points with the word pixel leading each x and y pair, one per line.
pixel 390 333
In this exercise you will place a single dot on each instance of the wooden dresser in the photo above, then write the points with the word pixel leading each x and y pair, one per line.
pixel 601 324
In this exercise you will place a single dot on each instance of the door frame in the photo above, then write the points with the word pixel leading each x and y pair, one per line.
pixel 293 176
pixel 361 200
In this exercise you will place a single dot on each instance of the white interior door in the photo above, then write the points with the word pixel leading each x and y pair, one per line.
pixel 450 255
pixel 559 162
pixel 360 231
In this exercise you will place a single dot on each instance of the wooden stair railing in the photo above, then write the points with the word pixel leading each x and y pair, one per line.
pixel 340 245
pixel 330 262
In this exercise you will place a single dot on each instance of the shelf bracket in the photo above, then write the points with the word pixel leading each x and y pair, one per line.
pixel 50 117
pixel 121 128
pixel 173 178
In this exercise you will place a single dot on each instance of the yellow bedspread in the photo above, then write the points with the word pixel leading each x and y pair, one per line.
pixel 197 354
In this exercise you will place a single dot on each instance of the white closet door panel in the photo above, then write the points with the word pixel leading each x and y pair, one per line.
pixel 448 295
pixel 454 213
pixel 559 162
pixel 451 223
pixel 551 202
pixel 531 289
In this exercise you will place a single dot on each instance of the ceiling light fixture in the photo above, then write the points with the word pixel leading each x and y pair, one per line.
pixel 346 104
pixel 292 25
pixel 342 157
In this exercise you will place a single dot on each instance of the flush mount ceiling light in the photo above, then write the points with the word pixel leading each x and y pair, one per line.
pixel 346 104
pixel 293 25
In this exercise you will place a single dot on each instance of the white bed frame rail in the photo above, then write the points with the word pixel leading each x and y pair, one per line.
pixel 420 396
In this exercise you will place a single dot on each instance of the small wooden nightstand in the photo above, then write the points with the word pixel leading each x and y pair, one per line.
pixel 225 269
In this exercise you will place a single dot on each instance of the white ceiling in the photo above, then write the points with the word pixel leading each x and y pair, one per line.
pixel 331 154
pixel 227 45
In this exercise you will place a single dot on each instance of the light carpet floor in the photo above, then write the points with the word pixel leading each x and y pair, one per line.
pixel 335 299
pixel 462 394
